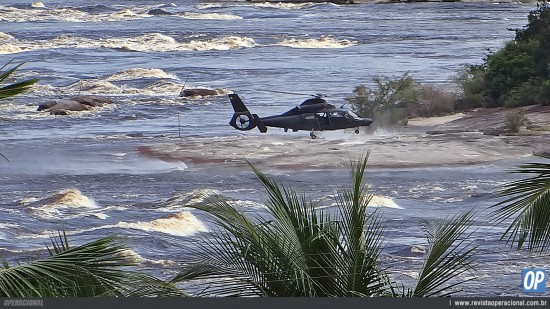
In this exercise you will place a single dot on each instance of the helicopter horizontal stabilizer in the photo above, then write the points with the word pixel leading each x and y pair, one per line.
pixel 259 123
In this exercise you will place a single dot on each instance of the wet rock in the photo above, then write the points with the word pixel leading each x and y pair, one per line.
pixel 75 104
pixel 159 12
pixel 92 100
pixel 203 92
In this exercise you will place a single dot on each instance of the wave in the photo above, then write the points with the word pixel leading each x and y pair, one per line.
pixel 285 5
pixel 322 42
pixel 375 201
pixel 73 15
pixel 150 42
pixel 195 197
pixel 38 12
pixel 181 224
pixel 216 16
pixel 64 204
pixel 134 257
pixel 383 201
pixel 135 73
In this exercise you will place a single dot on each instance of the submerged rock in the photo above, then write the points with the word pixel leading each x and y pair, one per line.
pixel 78 103
pixel 202 92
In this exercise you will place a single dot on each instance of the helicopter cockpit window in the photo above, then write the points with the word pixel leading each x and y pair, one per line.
pixel 352 115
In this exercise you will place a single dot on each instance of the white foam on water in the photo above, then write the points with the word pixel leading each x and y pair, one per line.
pixel 247 204
pixel 136 73
pixel 134 257
pixel 63 204
pixel 150 42
pixel 195 197
pixel 181 224
pixel 322 42
pixel 214 16
pixel 284 5
pixel 383 201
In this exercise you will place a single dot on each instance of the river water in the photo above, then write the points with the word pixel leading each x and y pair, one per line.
pixel 82 172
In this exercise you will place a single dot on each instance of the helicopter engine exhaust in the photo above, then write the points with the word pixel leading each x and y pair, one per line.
pixel 242 119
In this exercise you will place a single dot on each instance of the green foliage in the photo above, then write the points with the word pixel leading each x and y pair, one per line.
pixel 527 203
pixel 449 256
pixel 388 101
pixel 434 101
pixel 13 88
pixel 519 73
pixel 98 268
pixel 471 81
pixel 507 70
pixel 302 250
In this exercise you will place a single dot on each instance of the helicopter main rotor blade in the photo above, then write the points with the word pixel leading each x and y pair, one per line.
pixel 288 92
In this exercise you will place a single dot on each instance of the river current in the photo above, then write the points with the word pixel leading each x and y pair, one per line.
pixel 82 172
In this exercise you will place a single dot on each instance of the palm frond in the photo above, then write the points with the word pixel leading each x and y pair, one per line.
pixel 14 88
pixel 98 268
pixel 296 250
pixel 449 256
pixel 528 203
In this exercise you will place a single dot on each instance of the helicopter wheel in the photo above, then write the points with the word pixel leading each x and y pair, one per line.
pixel 312 135
pixel 356 131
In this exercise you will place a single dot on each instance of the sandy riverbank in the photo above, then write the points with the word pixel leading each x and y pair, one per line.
pixel 410 146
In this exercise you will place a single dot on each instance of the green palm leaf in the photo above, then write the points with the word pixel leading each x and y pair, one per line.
pixel 14 88
pixel 98 268
pixel 449 256
pixel 528 203
pixel 296 250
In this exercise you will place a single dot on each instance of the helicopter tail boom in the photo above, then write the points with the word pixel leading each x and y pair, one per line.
pixel 242 118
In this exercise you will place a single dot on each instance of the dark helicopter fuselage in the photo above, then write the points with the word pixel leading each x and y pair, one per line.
pixel 312 115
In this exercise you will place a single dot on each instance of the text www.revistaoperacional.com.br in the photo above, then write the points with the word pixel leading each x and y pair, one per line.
pixel 499 303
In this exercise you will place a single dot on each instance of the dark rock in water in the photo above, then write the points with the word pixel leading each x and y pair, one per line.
pixel 62 106
pixel 78 103
pixel 159 12
pixel 198 92
pixel 92 100
pixel 46 105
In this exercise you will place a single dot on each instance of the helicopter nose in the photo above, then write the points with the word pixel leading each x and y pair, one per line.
pixel 366 122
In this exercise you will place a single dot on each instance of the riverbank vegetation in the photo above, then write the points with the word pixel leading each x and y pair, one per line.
pixel 518 75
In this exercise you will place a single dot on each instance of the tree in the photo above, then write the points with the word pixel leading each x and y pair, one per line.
pixel 300 250
pixel 98 268
pixel 388 101
pixel 519 73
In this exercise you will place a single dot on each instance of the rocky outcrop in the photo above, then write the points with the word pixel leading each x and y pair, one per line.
pixel 74 104
pixel 200 92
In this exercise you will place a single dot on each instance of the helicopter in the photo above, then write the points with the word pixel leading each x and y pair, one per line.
pixel 314 114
